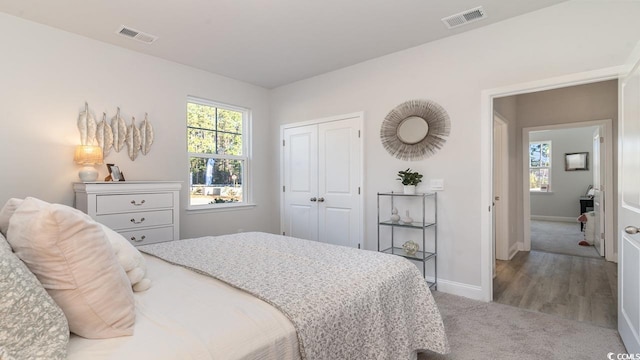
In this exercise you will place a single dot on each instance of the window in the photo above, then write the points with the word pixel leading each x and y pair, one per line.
pixel 540 165
pixel 217 141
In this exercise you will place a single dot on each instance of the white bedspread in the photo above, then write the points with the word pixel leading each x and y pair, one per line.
pixel 185 315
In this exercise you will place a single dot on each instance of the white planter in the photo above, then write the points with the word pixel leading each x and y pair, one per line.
pixel 409 189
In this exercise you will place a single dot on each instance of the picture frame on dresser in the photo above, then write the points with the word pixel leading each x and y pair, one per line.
pixel 114 173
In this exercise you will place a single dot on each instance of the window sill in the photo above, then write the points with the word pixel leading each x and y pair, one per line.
pixel 218 208
pixel 540 192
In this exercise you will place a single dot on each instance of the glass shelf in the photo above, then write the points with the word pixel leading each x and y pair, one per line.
pixel 419 255
pixel 403 194
pixel 415 224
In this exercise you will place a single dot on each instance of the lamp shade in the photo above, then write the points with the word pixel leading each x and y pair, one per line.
pixel 88 155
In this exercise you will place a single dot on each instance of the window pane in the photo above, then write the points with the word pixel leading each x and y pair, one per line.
pixel 544 155
pixel 201 141
pixel 201 116
pixel 216 181
pixel 537 178
pixel 230 121
pixel 534 154
pixel 229 144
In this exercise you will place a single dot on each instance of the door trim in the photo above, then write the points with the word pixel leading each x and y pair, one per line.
pixel 358 115
pixel 610 227
pixel 486 146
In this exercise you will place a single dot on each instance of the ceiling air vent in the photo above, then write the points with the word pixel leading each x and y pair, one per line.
pixel 465 17
pixel 136 35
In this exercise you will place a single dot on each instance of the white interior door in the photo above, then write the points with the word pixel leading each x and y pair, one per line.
pixel 500 191
pixel 598 195
pixel 300 168
pixel 629 212
pixel 339 182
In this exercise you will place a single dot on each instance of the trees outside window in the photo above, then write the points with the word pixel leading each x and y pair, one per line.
pixel 540 165
pixel 217 142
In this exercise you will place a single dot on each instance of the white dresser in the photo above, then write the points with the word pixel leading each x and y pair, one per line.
pixel 144 212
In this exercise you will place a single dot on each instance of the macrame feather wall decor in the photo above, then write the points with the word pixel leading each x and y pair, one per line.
pixel 415 129
pixel 116 135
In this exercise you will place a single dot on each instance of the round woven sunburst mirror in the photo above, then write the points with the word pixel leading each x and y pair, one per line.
pixel 415 130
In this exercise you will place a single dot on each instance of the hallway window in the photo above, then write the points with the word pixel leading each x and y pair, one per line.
pixel 540 166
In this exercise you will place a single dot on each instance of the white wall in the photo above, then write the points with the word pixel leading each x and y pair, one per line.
pixel 47 75
pixel 567 38
pixel 563 201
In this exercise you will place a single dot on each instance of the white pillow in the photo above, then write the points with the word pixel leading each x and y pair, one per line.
pixel 130 259
pixel 71 256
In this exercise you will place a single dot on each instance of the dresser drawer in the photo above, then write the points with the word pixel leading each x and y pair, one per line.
pixel 135 220
pixel 108 204
pixel 149 236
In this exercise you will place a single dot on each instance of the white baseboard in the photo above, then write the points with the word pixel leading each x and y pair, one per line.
pixel 555 218
pixel 455 288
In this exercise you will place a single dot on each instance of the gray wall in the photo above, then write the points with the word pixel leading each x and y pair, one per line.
pixel 566 186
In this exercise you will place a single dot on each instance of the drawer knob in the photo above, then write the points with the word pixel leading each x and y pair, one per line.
pixel 133 238
pixel 137 222
pixel 137 204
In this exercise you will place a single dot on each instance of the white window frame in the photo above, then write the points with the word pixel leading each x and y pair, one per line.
pixel 246 157
pixel 550 167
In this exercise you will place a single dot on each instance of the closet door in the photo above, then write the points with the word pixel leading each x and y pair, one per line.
pixel 301 182
pixel 339 182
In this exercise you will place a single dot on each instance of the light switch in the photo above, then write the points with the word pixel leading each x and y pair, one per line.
pixel 437 184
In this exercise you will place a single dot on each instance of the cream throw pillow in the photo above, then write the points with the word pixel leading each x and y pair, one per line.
pixel 5 214
pixel 71 256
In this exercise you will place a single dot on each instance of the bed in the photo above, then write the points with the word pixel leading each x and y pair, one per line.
pixel 240 296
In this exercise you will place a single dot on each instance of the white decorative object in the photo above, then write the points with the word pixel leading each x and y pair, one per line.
pixel 104 135
pixel 146 135
pixel 410 247
pixel 133 140
pixel 409 189
pixel 119 130
pixel 407 219
pixel 394 215
pixel 86 126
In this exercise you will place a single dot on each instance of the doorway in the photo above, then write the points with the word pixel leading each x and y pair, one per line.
pixel 535 279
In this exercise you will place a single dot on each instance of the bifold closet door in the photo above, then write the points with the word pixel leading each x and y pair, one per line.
pixel 339 182
pixel 321 179
pixel 301 182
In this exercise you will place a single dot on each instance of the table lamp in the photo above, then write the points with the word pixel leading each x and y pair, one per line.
pixel 88 156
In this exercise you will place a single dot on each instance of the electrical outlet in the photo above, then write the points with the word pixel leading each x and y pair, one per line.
pixel 437 184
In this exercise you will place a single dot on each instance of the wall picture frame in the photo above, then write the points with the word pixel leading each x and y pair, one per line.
pixel 114 173
pixel 576 161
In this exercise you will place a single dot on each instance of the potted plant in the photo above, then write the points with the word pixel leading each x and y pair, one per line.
pixel 409 179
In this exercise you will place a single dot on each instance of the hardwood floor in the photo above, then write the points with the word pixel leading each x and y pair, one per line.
pixel 573 287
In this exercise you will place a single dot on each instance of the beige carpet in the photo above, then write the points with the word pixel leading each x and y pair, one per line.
pixel 559 238
pixel 479 330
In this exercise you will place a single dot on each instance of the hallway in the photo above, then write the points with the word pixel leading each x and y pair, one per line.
pixel 573 287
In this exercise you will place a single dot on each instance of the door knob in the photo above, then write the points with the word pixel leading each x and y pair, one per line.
pixel 313 199
pixel 320 199
pixel 631 230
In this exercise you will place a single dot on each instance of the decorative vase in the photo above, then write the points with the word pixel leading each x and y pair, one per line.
pixel 410 247
pixel 394 215
pixel 407 219
pixel 409 189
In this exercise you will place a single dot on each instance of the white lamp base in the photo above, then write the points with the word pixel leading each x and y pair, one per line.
pixel 88 174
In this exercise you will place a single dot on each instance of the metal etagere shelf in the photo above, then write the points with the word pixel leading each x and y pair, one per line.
pixel 422 255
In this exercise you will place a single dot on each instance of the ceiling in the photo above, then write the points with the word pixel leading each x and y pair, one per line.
pixel 266 42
